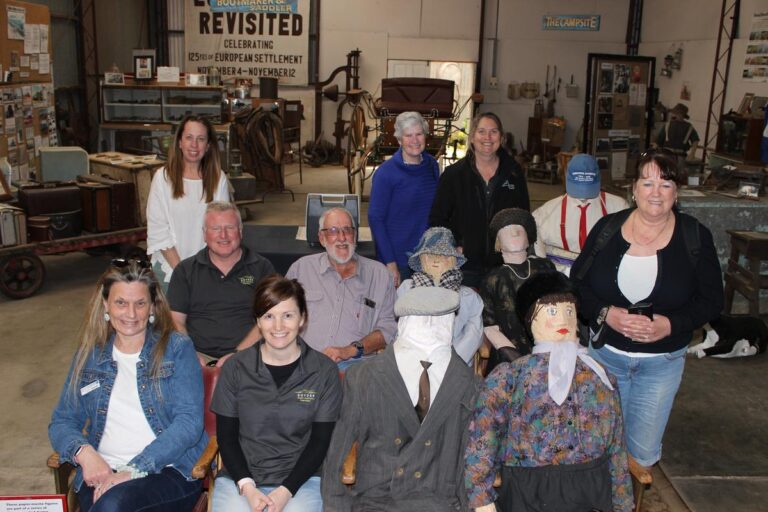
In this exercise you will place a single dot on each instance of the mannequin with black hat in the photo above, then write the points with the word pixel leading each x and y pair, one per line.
pixel 564 222
pixel 407 411
pixel 436 262
pixel 678 135
pixel 514 230
pixel 551 421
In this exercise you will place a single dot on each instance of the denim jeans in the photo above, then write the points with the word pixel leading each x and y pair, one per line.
pixel 647 388
pixel 226 497
pixel 165 491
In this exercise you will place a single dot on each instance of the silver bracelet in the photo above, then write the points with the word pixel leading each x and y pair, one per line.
pixel 133 470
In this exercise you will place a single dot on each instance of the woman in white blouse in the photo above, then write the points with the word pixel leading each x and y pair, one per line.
pixel 179 194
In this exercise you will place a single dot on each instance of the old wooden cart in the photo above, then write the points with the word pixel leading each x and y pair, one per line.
pixel 22 272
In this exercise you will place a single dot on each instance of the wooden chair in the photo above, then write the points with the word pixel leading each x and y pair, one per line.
pixel 205 467
pixel 641 480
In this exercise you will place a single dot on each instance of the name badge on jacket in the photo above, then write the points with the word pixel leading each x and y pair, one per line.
pixel 90 387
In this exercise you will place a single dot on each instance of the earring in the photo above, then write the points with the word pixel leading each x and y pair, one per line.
pixel 106 317
pixel 633 198
pixel 152 318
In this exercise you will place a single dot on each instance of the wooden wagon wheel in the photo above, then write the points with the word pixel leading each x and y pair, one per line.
pixel 356 139
pixel 21 275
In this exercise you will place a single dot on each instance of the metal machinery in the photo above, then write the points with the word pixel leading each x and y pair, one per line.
pixel 433 98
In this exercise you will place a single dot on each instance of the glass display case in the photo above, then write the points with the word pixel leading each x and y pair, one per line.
pixel 739 137
pixel 158 103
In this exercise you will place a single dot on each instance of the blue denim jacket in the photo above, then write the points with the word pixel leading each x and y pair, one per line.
pixel 175 415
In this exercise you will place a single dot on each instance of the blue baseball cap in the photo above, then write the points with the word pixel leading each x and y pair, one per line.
pixel 582 179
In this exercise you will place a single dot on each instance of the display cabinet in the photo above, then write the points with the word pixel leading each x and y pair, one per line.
pixel 158 103
pixel 739 137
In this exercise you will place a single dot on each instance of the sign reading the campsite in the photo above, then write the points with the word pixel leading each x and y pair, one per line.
pixel 583 22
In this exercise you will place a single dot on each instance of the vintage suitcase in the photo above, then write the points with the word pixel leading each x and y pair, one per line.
pixel 49 198
pixel 96 204
pixel 39 228
pixel 13 228
pixel 132 168
pixel 62 163
pixel 318 203
pixel 66 224
pixel 122 199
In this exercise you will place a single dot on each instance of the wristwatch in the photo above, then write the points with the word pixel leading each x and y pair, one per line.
pixel 360 349
pixel 602 315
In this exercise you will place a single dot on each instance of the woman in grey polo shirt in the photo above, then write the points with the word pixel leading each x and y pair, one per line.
pixel 276 404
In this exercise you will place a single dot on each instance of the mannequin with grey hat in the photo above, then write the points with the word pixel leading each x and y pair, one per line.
pixel 678 135
pixel 514 231
pixel 550 423
pixel 407 411
pixel 436 262
pixel 564 222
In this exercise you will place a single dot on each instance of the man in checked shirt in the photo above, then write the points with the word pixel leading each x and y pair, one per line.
pixel 350 298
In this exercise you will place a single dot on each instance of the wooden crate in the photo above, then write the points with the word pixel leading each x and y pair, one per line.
pixel 131 168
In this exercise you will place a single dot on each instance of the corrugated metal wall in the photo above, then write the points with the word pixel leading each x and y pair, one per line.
pixel 176 33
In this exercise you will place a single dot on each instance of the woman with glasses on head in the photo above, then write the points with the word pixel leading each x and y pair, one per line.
pixel 136 389
pixel 473 190
pixel 402 193
pixel 647 277
pixel 276 404
pixel 179 194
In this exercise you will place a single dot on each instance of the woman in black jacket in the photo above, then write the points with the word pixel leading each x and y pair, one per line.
pixel 473 190
pixel 666 260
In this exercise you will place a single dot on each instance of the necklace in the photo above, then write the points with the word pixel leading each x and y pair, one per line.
pixel 649 242
pixel 509 266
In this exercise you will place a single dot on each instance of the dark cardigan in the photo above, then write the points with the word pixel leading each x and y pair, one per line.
pixel 462 205
pixel 689 297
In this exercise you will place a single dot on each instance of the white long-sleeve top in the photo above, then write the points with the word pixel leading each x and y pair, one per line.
pixel 177 222
pixel 549 219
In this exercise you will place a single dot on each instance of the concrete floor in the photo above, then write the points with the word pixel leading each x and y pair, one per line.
pixel 38 339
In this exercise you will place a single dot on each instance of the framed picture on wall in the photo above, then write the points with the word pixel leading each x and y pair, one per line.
pixel 142 67
pixel 114 78
pixel 195 79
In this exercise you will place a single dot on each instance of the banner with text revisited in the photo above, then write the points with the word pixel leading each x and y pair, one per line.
pixel 249 39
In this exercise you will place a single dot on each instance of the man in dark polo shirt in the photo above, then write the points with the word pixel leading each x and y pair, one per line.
pixel 211 293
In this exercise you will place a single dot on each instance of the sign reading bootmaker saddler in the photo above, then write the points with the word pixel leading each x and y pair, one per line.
pixel 248 38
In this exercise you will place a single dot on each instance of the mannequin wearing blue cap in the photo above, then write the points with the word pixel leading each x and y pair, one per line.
pixel 564 222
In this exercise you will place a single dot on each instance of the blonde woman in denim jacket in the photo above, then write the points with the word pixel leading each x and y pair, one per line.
pixel 136 388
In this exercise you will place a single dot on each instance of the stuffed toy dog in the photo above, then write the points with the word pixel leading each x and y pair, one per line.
pixel 733 336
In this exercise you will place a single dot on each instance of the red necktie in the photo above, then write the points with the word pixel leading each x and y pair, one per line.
pixel 583 225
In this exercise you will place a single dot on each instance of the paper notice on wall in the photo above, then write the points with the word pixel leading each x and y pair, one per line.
pixel 45 63
pixel 16 21
pixel 44 38
pixel 756 57
pixel 618 165
pixel 32 38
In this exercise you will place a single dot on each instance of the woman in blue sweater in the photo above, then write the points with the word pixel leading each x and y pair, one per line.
pixel 402 193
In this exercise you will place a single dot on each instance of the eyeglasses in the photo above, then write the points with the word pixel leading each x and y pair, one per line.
pixel 334 231
pixel 125 262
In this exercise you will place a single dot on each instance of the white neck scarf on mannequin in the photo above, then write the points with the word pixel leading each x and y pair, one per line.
pixel 562 366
